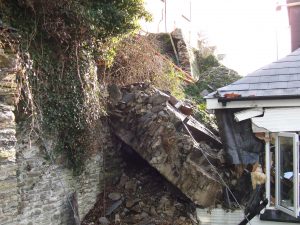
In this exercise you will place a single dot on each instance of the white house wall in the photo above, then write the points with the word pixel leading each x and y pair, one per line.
pixel 174 18
pixel 279 119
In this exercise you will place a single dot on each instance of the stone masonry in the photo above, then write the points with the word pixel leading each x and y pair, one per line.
pixel 9 196
pixel 33 189
pixel 143 118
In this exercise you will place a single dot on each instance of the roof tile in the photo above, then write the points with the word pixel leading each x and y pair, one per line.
pixel 276 79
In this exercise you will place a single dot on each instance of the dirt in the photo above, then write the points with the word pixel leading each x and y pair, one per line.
pixel 141 196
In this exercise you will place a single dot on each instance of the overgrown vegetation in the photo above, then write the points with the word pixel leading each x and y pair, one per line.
pixel 71 49
pixel 204 62
pixel 62 43
pixel 211 76
pixel 138 59
pixel 210 80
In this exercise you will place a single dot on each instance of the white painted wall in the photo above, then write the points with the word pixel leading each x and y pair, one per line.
pixel 175 12
pixel 251 33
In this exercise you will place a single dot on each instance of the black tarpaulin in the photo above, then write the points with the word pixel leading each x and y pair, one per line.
pixel 240 144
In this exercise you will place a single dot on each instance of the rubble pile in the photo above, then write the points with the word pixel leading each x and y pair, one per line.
pixel 144 118
pixel 141 196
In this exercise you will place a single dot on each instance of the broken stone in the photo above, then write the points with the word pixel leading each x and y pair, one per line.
pixel 117 218
pixel 114 196
pixel 153 211
pixel 113 207
pixel 172 151
pixel 131 202
pixel 123 180
pixel 136 208
pixel 130 185
pixel 128 97
pixel 157 108
pixel 115 94
pixel 182 218
pixel 159 98
pixel 144 215
pixel 137 218
pixel 104 221
pixel 177 34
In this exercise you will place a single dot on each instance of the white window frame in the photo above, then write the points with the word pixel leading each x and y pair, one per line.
pixel 295 137
pixel 268 170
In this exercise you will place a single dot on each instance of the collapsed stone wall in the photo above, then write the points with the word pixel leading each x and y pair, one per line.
pixel 33 188
pixel 143 118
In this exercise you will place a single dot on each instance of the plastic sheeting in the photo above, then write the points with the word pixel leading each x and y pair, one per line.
pixel 240 144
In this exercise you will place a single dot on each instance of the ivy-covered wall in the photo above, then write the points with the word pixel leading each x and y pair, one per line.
pixel 34 187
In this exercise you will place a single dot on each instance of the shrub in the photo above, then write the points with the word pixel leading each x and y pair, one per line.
pixel 138 60
pixel 65 39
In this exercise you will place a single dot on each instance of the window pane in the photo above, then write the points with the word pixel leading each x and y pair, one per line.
pixel 286 184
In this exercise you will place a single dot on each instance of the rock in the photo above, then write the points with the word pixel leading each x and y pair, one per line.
pixel 177 33
pixel 130 185
pixel 164 202
pixel 182 218
pixel 125 211
pixel 159 98
pixel 153 211
pixel 128 97
pixel 114 196
pixel 123 180
pixel 113 207
pixel 137 218
pixel 170 211
pixel 103 221
pixel 136 208
pixel 144 215
pixel 157 137
pixel 131 202
pixel 157 108
pixel 117 218
pixel 115 94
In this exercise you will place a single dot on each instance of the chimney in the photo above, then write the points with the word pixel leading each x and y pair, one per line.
pixel 294 20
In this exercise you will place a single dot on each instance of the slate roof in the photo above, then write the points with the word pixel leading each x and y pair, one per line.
pixel 280 78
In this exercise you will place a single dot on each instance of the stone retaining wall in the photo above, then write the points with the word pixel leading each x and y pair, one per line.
pixel 33 189
pixel 9 196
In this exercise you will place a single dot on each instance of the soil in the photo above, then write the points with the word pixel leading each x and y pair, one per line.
pixel 141 196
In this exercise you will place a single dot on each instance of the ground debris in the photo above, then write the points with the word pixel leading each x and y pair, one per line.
pixel 154 202
pixel 146 120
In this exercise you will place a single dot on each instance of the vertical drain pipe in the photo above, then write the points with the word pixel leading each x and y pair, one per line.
pixel 174 49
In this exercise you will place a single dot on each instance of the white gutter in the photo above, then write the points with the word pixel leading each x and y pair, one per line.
pixel 292 4
pixel 213 103
pixel 289 5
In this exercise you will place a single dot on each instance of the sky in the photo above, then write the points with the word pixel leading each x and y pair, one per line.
pixel 250 32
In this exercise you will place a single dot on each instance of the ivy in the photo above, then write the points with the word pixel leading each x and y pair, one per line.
pixel 66 40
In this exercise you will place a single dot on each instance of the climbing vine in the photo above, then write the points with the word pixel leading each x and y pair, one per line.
pixel 63 42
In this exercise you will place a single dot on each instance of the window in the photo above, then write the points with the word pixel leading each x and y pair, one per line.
pixel 287 173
